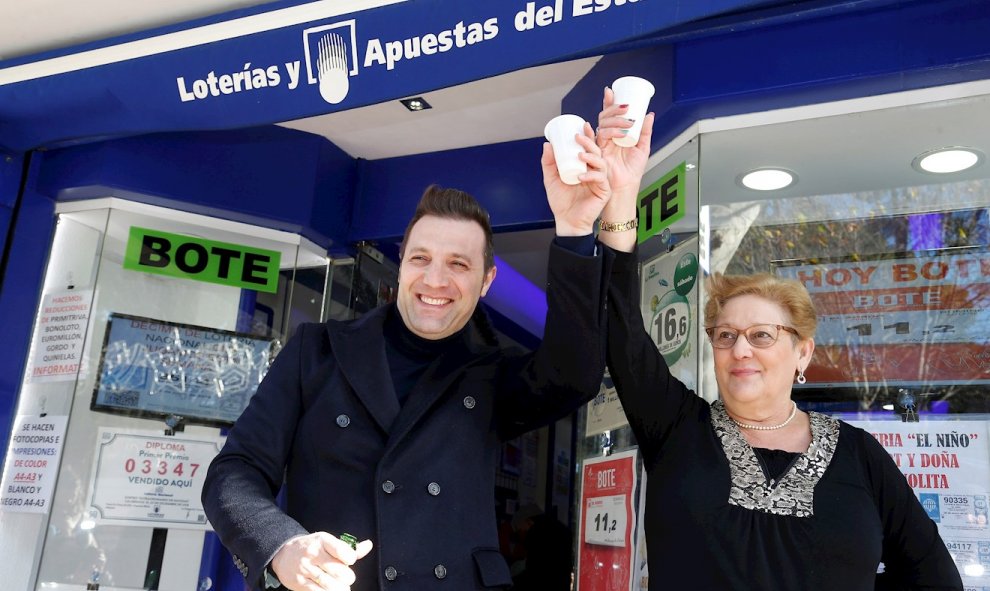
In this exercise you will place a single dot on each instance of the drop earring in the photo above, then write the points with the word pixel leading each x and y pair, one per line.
pixel 800 377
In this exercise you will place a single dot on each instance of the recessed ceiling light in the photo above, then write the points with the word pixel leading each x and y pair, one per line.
pixel 767 179
pixel 947 160
pixel 416 103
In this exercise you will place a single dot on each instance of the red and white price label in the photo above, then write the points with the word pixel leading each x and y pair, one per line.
pixel 605 522
pixel 608 520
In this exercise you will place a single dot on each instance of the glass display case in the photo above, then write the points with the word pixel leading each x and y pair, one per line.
pixel 154 329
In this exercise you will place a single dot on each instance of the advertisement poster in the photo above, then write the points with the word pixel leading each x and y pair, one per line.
pixel 153 367
pixel 948 465
pixel 31 466
pixel 146 479
pixel 670 308
pixel 57 348
pixel 903 319
pixel 606 550
pixel 670 312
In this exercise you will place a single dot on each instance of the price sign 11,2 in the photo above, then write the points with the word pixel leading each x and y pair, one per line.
pixel 605 520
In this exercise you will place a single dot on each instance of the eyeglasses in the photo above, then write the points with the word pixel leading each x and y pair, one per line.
pixel 760 336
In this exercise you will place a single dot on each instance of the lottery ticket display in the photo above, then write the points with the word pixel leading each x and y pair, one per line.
pixel 948 467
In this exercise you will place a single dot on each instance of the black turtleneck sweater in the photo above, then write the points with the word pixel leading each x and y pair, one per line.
pixel 409 354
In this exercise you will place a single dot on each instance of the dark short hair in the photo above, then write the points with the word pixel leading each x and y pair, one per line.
pixel 789 294
pixel 456 205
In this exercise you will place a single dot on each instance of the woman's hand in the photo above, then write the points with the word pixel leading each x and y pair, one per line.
pixel 576 207
pixel 626 167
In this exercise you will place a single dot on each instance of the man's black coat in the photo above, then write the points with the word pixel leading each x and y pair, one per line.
pixel 417 480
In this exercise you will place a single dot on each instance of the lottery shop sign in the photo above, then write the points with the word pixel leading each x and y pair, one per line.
pixel 143 478
pixel 905 319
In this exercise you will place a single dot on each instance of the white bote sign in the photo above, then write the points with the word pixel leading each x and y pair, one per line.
pixel 148 479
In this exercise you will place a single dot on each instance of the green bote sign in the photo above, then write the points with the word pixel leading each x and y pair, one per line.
pixel 187 257
pixel 662 203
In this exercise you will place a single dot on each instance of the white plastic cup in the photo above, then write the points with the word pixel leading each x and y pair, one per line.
pixel 635 92
pixel 560 132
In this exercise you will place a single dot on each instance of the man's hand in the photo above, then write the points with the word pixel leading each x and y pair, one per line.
pixel 318 562
pixel 576 207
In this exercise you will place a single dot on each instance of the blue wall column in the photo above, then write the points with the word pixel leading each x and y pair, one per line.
pixel 270 176
pixel 11 175
pixel 28 236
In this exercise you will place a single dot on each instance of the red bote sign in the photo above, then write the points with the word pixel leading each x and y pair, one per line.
pixel 903 319
pixel 608 520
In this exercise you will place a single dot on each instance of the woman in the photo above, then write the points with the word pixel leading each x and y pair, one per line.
pixel 749 492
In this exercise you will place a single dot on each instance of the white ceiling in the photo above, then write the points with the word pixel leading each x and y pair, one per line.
pixel 513 106
pixel 28 28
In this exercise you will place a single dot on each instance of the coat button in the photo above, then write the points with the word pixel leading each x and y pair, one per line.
pixel 391 573
pixel 388 486
pixel 469 402
pixel 343 420
pixel 433 488
pixel 440 571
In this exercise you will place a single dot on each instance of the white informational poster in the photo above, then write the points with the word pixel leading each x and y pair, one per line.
pixel 148 479
pixel 947 465
pixel 31 467
pixel 57 348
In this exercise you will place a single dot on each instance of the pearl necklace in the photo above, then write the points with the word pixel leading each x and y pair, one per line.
pixel 770 427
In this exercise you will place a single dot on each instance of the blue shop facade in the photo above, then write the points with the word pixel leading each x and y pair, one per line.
pixel 121 371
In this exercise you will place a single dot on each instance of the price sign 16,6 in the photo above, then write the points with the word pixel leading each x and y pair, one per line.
pixel 605 520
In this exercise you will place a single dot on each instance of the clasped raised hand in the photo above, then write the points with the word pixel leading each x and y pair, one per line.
pixel 576 207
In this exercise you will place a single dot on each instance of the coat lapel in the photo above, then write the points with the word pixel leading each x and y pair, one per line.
pixel 436 380
pixel 359 348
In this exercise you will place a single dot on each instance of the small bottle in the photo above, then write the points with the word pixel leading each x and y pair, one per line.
pixel 350 540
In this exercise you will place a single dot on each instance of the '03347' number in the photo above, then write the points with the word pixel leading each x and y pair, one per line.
pixel 160 467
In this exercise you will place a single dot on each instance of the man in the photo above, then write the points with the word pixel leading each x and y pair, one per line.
pixel 387 427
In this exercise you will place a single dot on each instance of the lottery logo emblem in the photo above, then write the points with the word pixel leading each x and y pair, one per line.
pixel 331 59
pixel 931 505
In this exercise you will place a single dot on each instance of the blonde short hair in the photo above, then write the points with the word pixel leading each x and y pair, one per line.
pixel 789 294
